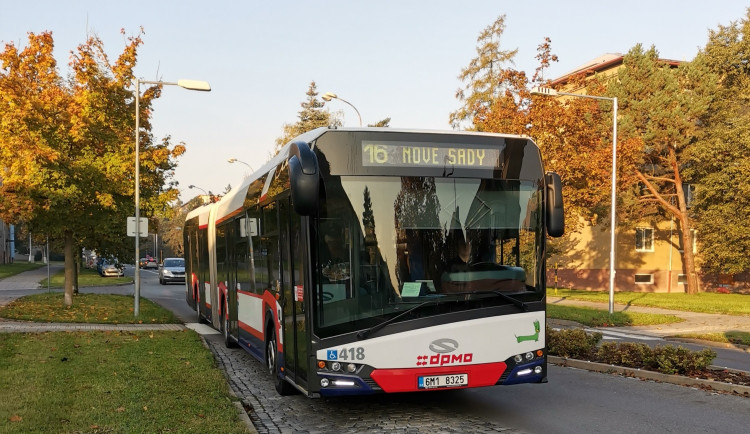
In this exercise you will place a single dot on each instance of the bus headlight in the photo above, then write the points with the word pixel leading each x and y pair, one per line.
pixel 335 366
pixel 324 382
pixel 351 367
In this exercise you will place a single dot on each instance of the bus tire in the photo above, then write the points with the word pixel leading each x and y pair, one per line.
pixel 198 310
pixel 272 364
pixel 229 342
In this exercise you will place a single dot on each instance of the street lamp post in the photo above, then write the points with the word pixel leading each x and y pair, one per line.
pixel 186 84
pixel 329 96
pixel 553 92
pixel 234 160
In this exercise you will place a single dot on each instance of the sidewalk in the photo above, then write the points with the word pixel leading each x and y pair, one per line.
pixel 693 322
pixel 11 287
pixel 28 279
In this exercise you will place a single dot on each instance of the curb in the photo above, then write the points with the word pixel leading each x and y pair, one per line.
pixel 238 402
pixel 725 345
pixel 650 375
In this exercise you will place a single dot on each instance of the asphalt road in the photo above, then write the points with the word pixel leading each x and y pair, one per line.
pixel 574 401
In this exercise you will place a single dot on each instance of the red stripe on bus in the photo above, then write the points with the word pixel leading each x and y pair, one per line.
pixel 251 330
pixel 405 380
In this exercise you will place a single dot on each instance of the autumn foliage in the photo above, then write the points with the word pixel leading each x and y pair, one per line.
pixel 67 146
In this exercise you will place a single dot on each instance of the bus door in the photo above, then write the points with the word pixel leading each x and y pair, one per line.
pixel 295 327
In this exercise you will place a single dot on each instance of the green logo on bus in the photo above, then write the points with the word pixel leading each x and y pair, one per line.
pixel 534 337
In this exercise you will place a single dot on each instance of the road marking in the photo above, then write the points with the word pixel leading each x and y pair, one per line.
pixel 202 329
pixel 616 335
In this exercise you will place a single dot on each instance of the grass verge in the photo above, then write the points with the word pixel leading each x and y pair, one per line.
pixel 87 308
pixel 112 382
pixel 601 318
pixel 735 338
pixel 7 270
pixel 87 277
pixel 704 302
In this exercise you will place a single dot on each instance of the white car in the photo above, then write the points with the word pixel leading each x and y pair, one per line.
pixel 111 269
pixel 172 270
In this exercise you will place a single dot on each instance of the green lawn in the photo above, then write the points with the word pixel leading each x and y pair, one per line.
pixel 87 308
pixel 7 270
pixel 601 318
pixel 87 277
pixel 97 382
pixel 737 338
pixel 704 302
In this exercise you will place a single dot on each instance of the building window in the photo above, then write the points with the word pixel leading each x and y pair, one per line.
pixel 644 278
pixel 644 239
pixel 682 279
pixel 693 241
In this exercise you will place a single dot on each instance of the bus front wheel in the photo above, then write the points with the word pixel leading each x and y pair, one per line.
pixel 272 364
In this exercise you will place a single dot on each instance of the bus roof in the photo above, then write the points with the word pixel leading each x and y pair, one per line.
pixel 233 201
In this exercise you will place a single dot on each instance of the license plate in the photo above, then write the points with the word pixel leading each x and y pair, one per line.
pixel 440 381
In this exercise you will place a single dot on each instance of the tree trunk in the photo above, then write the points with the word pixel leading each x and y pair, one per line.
pixel 69 268
pixel 688 257
pixel 76 269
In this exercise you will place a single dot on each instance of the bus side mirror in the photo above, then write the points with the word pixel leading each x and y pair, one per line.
pixel 555 215
pixel 304 178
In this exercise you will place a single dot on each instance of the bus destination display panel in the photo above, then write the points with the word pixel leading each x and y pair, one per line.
pixel 414 154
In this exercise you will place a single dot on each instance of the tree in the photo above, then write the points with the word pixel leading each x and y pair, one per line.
pixel 719 163
pixel 66 146
pixel 311 116
pixel 484 74
pixel 574 134
pixel 662 106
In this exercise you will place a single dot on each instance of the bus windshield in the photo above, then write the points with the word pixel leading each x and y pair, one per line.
pixel 385 244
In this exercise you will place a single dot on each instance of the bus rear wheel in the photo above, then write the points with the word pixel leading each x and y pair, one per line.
pixel 228 340
pixel 272 364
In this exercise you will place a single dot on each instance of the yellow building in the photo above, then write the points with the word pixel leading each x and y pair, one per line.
pixel 648 258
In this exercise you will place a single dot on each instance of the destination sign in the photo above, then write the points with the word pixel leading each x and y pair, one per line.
pixel 428 155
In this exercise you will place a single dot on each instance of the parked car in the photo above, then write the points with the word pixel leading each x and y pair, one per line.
pixel 110 268
pixel 172 270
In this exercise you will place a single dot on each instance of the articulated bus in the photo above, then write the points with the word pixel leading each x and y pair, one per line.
pixel 377 260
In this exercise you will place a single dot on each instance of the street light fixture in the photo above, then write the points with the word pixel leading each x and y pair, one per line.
pixel 198 188
pixel 552 92
pixel 186 84
pixel 234 160
pixel 328 96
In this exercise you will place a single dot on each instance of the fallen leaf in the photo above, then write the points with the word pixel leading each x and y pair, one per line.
pixel 145 408
pixel 120 409
pixel 16 418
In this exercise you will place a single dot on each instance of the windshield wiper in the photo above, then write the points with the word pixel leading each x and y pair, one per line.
pixel 364 334
pixel 516 302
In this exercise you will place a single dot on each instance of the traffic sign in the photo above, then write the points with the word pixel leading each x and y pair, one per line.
pixel 142 227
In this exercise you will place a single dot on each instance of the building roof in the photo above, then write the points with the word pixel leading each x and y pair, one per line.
pixel 602 63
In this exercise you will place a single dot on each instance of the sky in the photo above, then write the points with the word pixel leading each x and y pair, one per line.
pixel 389 58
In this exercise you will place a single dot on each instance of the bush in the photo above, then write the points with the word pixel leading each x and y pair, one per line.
pixel 577 344
pixel 572 343
pixel 679 360
pixel 630 354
